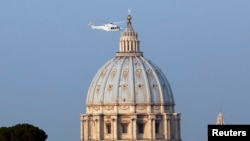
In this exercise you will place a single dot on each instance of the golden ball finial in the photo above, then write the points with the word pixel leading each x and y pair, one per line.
pixel 129 17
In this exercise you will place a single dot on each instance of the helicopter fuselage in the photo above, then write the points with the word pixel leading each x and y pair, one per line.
pixel 106 27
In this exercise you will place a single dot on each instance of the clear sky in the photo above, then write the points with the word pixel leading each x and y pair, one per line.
pixel 49 55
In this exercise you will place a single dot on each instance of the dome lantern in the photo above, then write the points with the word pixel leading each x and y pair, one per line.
pixel 129 42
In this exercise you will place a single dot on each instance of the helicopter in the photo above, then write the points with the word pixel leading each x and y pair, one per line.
pixel 111 26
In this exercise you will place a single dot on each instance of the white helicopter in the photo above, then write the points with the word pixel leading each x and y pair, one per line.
pixel 112 26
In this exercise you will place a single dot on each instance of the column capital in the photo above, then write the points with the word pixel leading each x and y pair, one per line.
pixel 134 117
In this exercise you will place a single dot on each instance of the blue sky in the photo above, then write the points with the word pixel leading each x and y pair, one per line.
pixel 49 55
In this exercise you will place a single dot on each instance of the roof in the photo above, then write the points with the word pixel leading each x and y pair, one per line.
pixel 129 77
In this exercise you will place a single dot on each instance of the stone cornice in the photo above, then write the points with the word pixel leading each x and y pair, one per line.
pixel 130 104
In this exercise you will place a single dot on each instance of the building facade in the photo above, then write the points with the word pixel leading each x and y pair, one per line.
pixel 220 119
pixel 130 98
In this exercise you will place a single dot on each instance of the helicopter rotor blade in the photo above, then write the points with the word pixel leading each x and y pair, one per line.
pixel 118 22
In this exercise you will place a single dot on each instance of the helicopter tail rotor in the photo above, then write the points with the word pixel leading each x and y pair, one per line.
pixel 92 25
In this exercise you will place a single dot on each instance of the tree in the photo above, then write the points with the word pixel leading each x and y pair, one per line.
pixel 22 132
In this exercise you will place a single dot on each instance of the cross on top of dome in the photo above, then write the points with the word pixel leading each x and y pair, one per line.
pixel 129 27
pixel 129 17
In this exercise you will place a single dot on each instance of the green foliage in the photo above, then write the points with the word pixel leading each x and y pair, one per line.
pixel 22 132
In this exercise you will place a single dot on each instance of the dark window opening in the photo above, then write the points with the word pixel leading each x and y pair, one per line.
pixel 124 128
pixel 157 127
pixel 108 127
pixel 140 128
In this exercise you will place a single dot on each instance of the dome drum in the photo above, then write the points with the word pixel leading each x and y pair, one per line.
pixel 123 127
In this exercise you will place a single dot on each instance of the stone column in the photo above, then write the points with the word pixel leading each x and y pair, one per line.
pixel 177 126
pixel 114 128
pixel 151 129
pixel 176 129
pixel 135 128
pixel 166 130
pixel 168 127
pixel 153 132
pixel 82 128
pixel 130 45
pixel 97 123
pixel 86 131
pixel 120 44
pixel 92 129
pixel 131 130
pixel 179 129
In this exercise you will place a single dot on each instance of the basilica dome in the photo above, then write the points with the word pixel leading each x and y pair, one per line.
pixel 129 78
pixel 130 98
